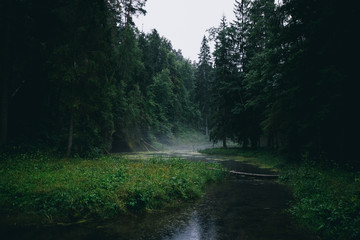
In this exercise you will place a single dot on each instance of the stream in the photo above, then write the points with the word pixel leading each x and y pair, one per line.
pixel 239 208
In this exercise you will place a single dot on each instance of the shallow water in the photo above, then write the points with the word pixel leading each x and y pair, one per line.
pixel 238 208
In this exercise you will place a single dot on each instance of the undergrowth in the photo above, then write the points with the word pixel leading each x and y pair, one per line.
pixel 55 189
pixel 327 201
pixel 326 197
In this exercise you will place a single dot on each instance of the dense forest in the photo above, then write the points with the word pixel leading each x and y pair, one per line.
pixel 79 77
pixel 281 76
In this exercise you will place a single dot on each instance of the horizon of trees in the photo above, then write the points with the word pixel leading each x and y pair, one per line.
pixel 79 77
pixel 282 72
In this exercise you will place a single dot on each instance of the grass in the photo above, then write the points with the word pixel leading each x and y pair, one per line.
pixel 56 190
pixel 260 158
pixel 326 198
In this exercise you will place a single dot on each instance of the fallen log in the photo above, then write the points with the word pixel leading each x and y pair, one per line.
pixel 250 174
pixel 255 174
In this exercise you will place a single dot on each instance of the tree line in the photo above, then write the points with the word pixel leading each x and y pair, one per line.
pixel 77 76
pixel 281 75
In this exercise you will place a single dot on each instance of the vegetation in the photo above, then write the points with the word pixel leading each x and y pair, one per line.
pixel 80 79
pixel 53 189
pixel 279 80
pixel 282 73
pixel 326 199
pixel 96 86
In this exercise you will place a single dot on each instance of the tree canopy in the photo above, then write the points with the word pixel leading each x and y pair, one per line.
pixel 79 77
pixel 282 78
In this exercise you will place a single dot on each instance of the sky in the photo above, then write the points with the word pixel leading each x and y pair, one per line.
pixel 184 22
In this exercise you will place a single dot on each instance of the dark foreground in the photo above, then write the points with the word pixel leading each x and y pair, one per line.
pixel 239 208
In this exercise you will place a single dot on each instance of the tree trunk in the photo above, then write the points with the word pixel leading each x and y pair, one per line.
pixel 206 127
pixel 224 142
pixel 270 141
pixel 254 142
pixel 276 141
pixel 4 111
pixel 71 131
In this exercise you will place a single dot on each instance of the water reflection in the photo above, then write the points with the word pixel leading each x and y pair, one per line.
pixel 196 229
pixel 191 231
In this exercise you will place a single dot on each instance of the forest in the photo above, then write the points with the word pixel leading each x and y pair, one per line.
pixel 281 77
pixel 79 77
pixel 80 84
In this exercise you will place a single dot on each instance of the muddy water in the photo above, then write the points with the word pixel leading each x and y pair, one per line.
pixel 239 208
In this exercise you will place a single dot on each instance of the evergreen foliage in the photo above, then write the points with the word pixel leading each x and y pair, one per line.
pixel 79 77
pixel 225 72
pixel 282 72
pixel 203 79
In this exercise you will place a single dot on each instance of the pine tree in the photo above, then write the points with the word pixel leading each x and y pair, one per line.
pixel 241 25
pixel 260 66
pixel 203 81
pixel 225 73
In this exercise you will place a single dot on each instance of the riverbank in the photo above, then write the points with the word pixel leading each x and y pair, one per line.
pixel 326 199
pixel 39 188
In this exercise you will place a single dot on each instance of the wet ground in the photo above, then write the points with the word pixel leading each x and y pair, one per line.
pixel 239 208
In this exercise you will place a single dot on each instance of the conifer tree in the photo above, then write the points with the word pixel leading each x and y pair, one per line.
pixel 225 73
pixel 203 82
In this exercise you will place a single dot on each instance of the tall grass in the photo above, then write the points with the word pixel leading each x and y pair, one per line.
pixel 68 190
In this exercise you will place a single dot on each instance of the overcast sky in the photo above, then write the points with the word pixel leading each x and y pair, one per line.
pixel 184 22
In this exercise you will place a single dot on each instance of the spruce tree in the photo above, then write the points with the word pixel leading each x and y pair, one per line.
pixel 225 73
pixel 203 82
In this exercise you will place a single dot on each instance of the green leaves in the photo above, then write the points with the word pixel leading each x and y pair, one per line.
pixel 74 189
pixel 324 201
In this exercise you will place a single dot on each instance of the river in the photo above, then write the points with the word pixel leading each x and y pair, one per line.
pixel 240 208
